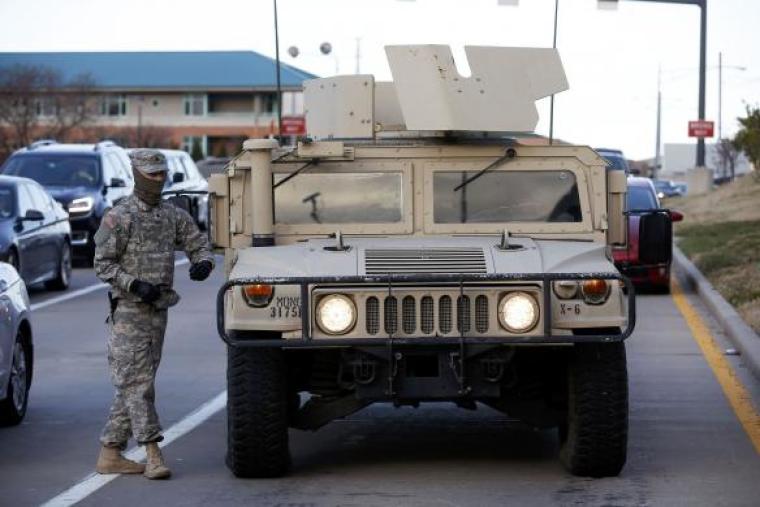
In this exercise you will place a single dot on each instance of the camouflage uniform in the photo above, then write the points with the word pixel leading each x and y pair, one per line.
pixel 137 241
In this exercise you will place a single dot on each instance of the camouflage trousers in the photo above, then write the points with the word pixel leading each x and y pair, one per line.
pixel 134 353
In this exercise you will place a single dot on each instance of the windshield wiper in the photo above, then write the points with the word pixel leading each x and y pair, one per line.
pixel 510 154
pixel 295 173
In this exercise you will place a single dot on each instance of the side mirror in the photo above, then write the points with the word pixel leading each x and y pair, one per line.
pixel 178 178
pixel 676 216
pixel 655 238
pixel 117 183
pixel 33 215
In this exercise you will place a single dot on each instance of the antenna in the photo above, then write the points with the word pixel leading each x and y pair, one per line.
pixel 279 87
pixel 551 103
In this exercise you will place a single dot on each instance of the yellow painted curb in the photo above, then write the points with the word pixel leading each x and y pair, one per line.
pixel 735 392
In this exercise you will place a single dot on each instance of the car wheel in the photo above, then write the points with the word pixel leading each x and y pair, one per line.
pixel 257 413
pixel 63 276
pixel 13 407
pixel 594 435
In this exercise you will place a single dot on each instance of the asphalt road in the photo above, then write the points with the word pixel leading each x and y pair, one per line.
pixel 687 446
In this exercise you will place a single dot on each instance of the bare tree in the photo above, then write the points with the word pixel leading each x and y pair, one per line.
pixel 36 101
pixel 147 136
pixel 726 157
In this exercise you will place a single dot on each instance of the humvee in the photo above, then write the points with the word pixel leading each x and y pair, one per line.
pixel 420 244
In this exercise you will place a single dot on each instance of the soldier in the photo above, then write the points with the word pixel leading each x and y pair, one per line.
pixel 134 253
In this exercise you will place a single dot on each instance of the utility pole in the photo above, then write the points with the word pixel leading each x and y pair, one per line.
pixel 657 160
pixel 720 96
pixel 279 87
pixel 358 55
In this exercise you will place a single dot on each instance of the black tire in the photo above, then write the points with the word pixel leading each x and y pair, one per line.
pixel 257 413
pixel 63 275
pixel 13 407
pixel 594 436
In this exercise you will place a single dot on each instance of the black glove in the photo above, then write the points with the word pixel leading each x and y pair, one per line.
pixel 145 291
pixel 200 270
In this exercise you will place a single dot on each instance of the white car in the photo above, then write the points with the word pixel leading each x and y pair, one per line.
pixel 16 347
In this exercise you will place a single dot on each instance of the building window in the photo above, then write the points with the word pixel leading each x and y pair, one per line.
pixel 113 105
pixel 269 103
pixel 196 146
pixel 46 107
pixel 196 104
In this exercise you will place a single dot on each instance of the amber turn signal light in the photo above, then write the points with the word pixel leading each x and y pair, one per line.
pixel 258 294
pixel 595 291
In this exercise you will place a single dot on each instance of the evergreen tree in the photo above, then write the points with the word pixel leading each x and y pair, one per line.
pixel 196 152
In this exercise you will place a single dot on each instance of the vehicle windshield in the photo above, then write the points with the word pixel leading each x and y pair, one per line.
pixel 506 196
pixel 59 170
pixel 7 202
pixel 616 161
pixel 641 198
pixel 339 198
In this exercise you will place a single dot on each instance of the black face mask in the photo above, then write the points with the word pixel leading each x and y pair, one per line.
pixel 147 190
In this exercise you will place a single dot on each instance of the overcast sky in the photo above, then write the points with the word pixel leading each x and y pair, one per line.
pixel 611 57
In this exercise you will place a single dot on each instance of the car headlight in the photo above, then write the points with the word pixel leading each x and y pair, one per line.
pixel 257 295
pixel 81 205
pixel 595 291
pixel 518 312
pixel 336 314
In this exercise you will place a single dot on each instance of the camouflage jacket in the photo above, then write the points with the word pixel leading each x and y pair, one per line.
pixel 137 241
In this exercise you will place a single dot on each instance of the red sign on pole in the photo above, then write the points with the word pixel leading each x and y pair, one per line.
pixel 701 128
pixel 293 126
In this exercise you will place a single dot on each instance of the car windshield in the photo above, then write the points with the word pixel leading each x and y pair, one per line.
pixel 7 202
pixel 615 160
pixel 58 170
pixel 641 198
pixel 662 185
pixel 339 198
pixel 506 196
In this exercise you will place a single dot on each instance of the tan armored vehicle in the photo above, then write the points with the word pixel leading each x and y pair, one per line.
pixel 411 249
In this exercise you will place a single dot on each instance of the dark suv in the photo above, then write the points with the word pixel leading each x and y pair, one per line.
pixel 86 179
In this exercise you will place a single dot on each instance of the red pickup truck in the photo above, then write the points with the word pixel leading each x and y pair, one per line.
pixel 642 199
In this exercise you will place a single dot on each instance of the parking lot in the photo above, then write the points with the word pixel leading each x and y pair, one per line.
pixel 687 445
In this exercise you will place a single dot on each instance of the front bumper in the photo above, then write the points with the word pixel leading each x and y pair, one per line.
pixel 395 282
pixel 83 231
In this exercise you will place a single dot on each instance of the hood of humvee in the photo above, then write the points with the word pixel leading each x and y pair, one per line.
pixel 439 254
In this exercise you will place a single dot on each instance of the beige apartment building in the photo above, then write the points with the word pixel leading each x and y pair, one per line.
pixel 213 99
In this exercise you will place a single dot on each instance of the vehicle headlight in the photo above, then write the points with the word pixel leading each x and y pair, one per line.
pixel 566 289
pixel 258 295
pixel 81 205
pixel 336 314
pixel 595 291
pixel 518 312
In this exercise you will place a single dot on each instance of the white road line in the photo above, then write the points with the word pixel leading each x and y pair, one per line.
pixel 82 292
pixel 94 482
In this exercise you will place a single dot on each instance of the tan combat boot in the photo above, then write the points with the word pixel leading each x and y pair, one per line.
pixel 155 467
pixel 110 461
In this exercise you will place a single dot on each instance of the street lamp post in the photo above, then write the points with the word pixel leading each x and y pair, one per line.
pixel 702 4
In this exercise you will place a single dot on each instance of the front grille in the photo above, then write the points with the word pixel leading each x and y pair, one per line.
pixel 481 314
pixel 463 314
pixel 427 318
pixel 373 315
pixel 408 315
pixel 426 315
pixel 425 260
pixel 391 315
